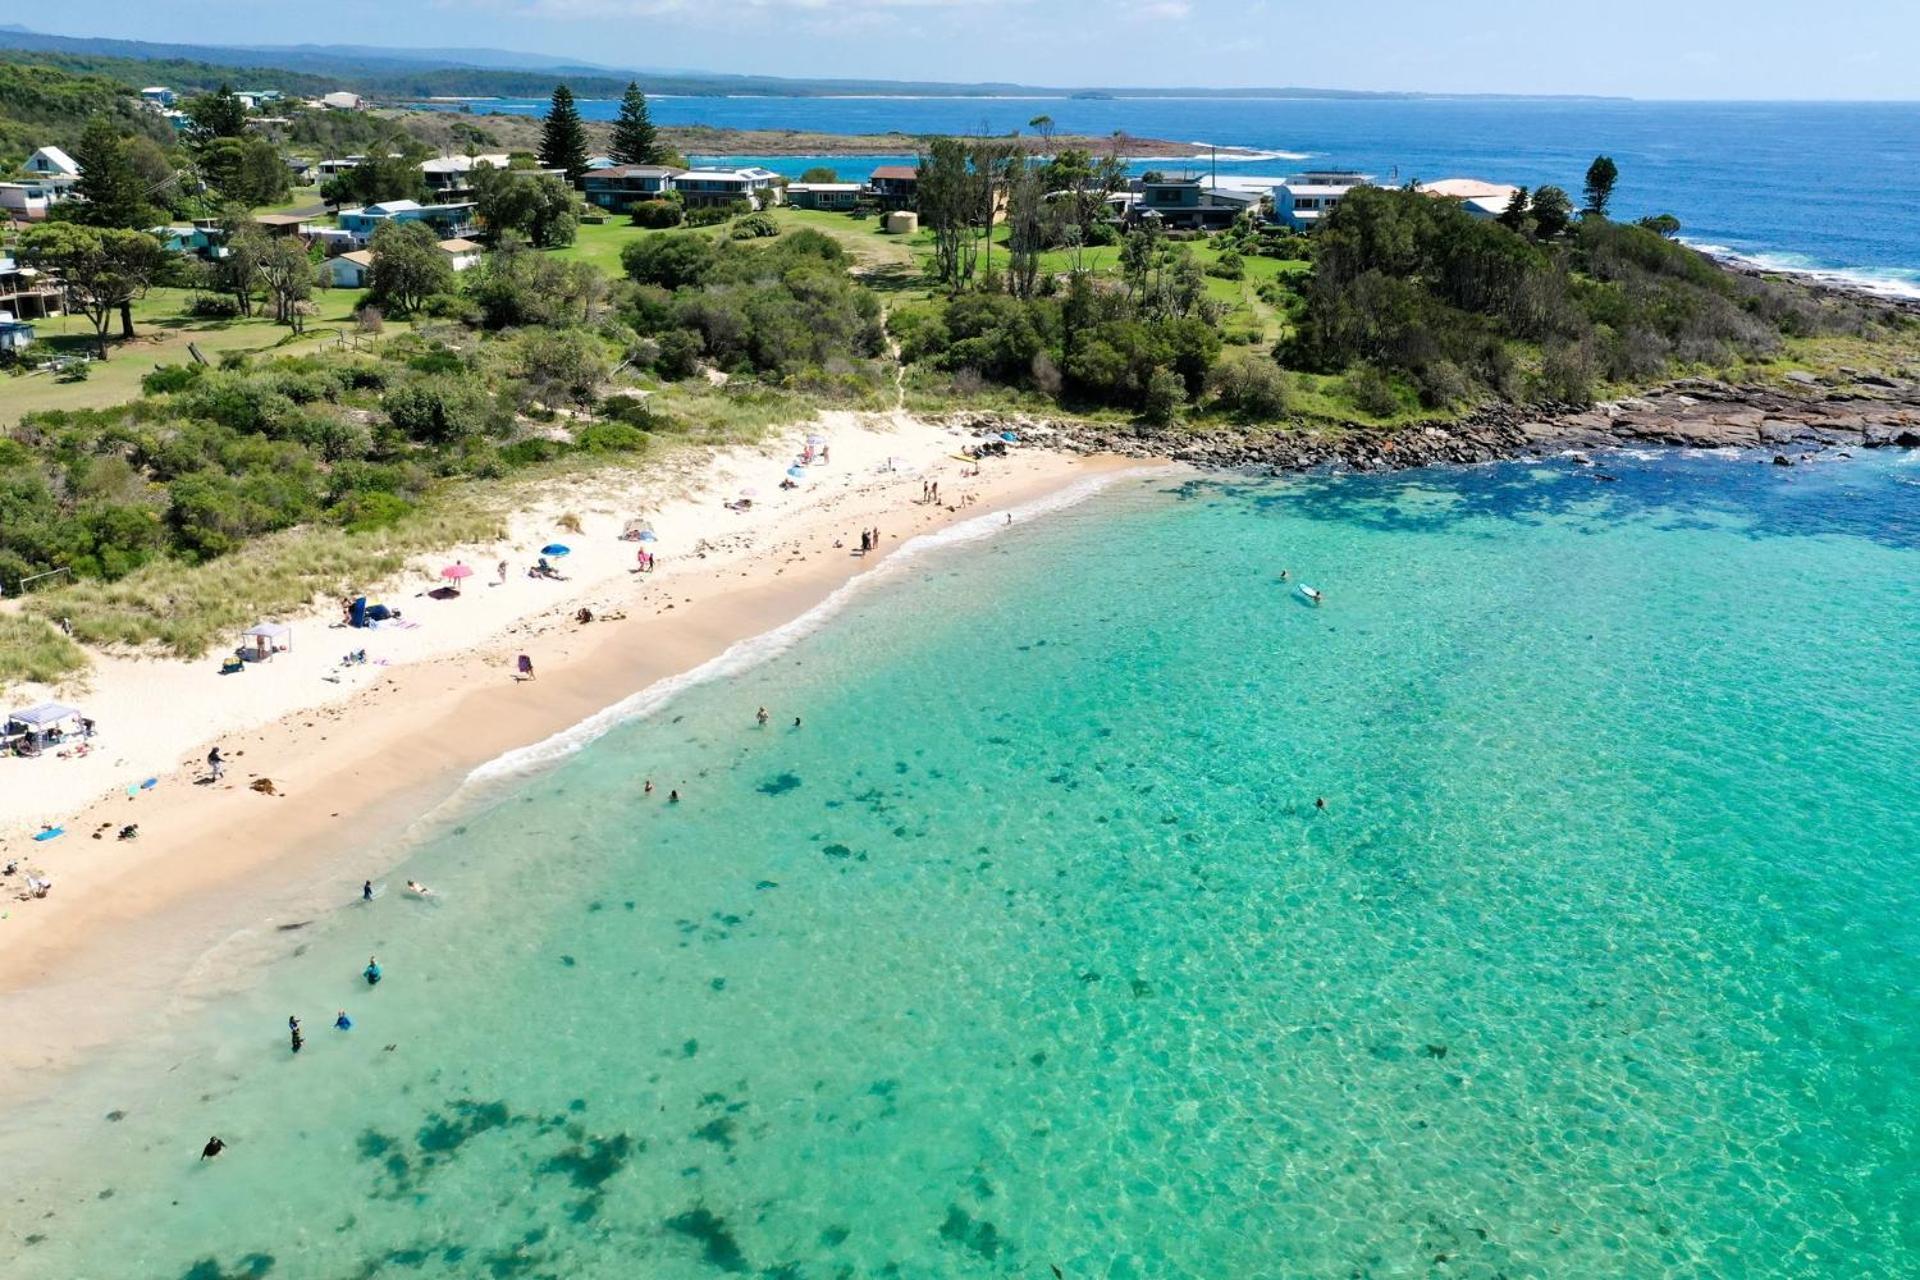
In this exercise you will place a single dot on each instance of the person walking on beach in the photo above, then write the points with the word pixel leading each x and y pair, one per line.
pixel 216 763
pixel 503 573
pixel 525 666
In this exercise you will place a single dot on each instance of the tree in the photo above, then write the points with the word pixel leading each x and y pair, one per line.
pixel 563 139
pixel 104 270
pixel 247 171
pixel 1601 175
pixel 536 205
pixel 1026 229
pixel 408 267
pixel 219 114
pixel 1552 212
pixel 388 173
pixel 1514 216
pixel 820 173
pixel 950 198
pixel 634 139
pixel 1663 224
pixel 112 192
pixel 287 272
pixel 238 270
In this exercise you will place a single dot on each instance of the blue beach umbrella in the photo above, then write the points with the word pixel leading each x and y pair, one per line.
pixel 556 549
pixel 797 472
pixel 1009 437
pixel 647 535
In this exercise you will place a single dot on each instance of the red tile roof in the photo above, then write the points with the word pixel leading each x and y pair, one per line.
pixel 896 171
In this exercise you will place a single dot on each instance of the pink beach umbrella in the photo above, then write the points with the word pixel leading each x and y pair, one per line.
pixel 455 572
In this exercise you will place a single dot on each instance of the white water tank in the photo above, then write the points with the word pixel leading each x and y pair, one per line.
pixel 902 222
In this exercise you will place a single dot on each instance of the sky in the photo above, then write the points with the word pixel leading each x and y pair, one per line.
pixel 1747 49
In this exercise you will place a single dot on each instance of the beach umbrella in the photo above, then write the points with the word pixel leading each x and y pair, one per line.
pixel 816 440
pixel 1009 437
pixel 457 572
pixel 556 549
pixel 647 535
pixel 798 473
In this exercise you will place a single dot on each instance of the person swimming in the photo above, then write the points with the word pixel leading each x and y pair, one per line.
pixel 648 788
pixel 673 796
pixel 372 972
pixel 415 887
pixel 343 1022
pixel 215 1145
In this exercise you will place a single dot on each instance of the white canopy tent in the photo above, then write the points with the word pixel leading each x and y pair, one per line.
pixel 268 639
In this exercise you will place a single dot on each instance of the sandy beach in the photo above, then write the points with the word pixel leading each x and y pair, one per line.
pixel 360 756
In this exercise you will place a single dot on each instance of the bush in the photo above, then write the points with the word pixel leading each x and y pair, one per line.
pixel 670 261
pixel 714 215
pixel 1166 395
pixel 449 306
pixel 1249 388
pixel 167 378
pixel 1229 266
pixel 610 437
pixel 213 306
pixel 755 226
pixel 656 215
pixel 439 410
pixel 1371 391
pixel 679 354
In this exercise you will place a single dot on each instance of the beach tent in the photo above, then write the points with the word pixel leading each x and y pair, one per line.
pixel 47 715
pixel 268 639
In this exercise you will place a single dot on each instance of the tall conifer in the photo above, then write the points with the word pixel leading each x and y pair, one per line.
pixel 563 143
pixel 634 139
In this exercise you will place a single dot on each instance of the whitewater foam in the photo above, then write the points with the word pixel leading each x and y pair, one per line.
pixel 1885 282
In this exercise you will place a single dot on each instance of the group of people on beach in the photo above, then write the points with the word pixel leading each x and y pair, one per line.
pixel 869 540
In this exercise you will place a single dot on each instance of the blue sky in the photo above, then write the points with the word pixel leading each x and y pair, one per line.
pixel 1675 49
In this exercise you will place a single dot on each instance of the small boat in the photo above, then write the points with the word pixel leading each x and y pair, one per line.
pixel 1310 594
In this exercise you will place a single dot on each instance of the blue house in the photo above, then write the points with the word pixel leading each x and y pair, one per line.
pixel 1303 199
pixel 449 221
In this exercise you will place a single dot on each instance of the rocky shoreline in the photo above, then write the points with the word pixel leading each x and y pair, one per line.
pixel 1854 410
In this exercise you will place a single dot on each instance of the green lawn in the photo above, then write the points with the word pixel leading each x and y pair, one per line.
pixel 162 332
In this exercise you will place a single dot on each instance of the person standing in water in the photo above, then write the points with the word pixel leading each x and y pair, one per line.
pixel 293 1029
pixel 366 891
pixel 215 1145
pixel 343 1022
pixel 761 716
pixel 372 972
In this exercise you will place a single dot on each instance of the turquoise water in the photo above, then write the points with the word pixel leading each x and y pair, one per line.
pixel 1031 948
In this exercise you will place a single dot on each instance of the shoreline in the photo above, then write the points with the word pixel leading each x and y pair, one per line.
pixel 131 929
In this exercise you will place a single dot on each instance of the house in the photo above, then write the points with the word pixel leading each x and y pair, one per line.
pixel 461 253
pixel 31 199
pixel 1194 204
pixel 334 168
pixel 302 170
pixel 28 294
pixel 279 224
pixel 340 100
pixel 349 270
pixel 331 239
pixel 701 188
pixel 450 177
pixel 448 220
pixel 1481 199
pixel 837 196
pixel 897 185
pixel 1300 201
pixel 622 184
pixel 602 162
pixel 52 162
pixel 157 96
pixel 254 99
pixel 203 238
pixel 15 335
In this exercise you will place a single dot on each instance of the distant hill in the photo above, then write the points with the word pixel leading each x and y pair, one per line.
pixel 418 73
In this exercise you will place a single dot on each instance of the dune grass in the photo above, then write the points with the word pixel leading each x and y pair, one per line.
pixel 188 610
pixel 34 649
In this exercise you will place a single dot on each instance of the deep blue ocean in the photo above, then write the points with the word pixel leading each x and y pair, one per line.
pixel 1807 186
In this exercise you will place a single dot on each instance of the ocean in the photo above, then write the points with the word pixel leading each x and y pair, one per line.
pixel 1546 903
pixel 1825 187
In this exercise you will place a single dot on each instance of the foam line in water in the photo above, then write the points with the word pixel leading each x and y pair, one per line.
pixel 746 654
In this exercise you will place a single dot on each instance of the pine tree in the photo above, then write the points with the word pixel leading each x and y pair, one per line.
pixel 1601 175
pixel 634 139
pixel 114 195
pixel 563 142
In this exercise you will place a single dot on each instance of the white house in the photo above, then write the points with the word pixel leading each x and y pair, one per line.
pixel 52 162
pixel 461 253
pixel 1302 200
pixel 340 100
pixel 1481 199
pixel 701 187
pixel 157 95
pixel 349 270
pixel 48 178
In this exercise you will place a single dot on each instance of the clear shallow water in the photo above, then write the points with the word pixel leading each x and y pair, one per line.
pixel 1030 947
pixel 1829 186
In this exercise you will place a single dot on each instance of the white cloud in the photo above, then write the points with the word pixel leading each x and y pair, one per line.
pixel 1163 10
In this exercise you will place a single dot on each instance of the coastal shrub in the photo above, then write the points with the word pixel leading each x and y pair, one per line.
pixel 1229 266
pixel 1165 397
pixel 168 378
pixel 213 306
pixel 680 352
pixel 755 226
pixel 1249 388
pixel 715 214
pixel 610 437
pixel 656 215
pixel 437 410
pixel 1567 374
pixel 672 261
pixel 1369 389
